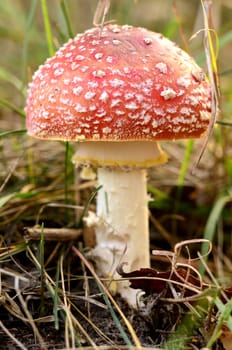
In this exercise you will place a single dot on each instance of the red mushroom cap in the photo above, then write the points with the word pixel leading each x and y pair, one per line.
pixel 125 84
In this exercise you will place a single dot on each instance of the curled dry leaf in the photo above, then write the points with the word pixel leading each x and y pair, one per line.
pixel 178 284
pixel 151 281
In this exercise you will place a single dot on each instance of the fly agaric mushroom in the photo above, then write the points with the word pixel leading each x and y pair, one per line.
pixel 117 90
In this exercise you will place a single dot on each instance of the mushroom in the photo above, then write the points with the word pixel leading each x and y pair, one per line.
pixel 117 91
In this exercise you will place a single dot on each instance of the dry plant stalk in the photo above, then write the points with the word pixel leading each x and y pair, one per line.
pixel 52 234
pixel 211 60
pixel 12 337
pixel 130 328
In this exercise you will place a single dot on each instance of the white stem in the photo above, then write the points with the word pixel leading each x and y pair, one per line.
pixel 122 232
pixel 121 221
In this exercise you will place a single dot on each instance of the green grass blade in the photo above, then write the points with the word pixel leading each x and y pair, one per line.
pixel 115 318
pixel 13 108
pixel 211 225
pixel 224 123
pixel 190 323
pixel 12 133
pixel 47 27
pixel 88 202
pixel 10 78
pixel 42 272
pixel 224 318
pixel 29 24
pixel 66 18
pixel 56 298
pixel 185 162
pixel 5 199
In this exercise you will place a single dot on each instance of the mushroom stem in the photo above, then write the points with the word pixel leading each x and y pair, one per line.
pixel 122 205
pixel 122 233
pixel 121 220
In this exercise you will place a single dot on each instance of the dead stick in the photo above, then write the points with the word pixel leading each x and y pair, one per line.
pixel 52 234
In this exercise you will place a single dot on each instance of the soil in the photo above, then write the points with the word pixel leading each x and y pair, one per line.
pixel 153 324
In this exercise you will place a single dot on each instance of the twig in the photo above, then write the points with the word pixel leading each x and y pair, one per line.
pixel 52 234
pixel 31 321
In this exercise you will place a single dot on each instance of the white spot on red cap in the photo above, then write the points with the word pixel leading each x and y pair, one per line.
pixel 109 59
pixel 134 116
pixel 147 41
pixel 64 100
pixel 66 81
pixel 184 81
pixel 129 95
pixel 116 82
pixel 185 111
pixel 77 80
pixel 92 84
pixel 132 106
pixel 99 73
pixel 95 42
pixel 96 136
pixel 68 54
pixel 58 72
pixel 84 69
pixel 55 65
pixel 45 114
pixel 139 97
pixel 116 42
pixel 98 55
pixel 116 93
pixel 104 96
pixel 205 116
pixel 82 48
pixel 180 92
pixel 115 103
pixel 77 90
pixel 119 112
pixel 106 130
pixel 116 30
pixel 89 95
pixel 80 57
pixel 74 65
pixel 155 124
pixel 162 67
pixel 51 98
pixel 199 75
pixel 171 110
pixel 80 109
pixel 100 113
pixel 126 70
pixel 168 94
pixel 193 100
pixel 159 111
